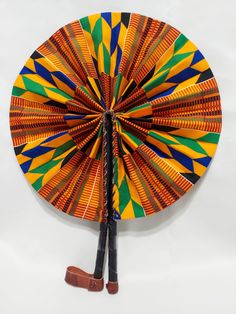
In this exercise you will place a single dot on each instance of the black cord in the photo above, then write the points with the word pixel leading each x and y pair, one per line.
pixel 98 273
pixel 111 224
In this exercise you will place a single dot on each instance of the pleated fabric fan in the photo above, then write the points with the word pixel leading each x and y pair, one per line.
pixel 114 117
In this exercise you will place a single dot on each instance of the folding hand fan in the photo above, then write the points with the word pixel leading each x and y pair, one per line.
pixel 115 116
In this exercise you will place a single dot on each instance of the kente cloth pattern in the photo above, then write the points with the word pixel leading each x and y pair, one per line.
pixel 166 106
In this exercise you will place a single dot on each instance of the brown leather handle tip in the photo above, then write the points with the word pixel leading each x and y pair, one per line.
pixel 112 287
pixel 79 278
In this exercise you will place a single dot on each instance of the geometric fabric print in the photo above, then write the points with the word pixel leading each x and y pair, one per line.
pixel 126 198
pixel 165 103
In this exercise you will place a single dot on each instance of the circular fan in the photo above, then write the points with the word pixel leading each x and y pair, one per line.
pixel 163 102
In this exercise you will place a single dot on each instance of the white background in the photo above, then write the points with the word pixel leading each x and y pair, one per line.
pixel 181 261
